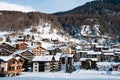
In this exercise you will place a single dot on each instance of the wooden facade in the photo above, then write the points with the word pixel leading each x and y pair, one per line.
pixel 5 52
pixel 10 66
pixel 7 47
pixel 27 56
pixel 38 51
pixel 21 46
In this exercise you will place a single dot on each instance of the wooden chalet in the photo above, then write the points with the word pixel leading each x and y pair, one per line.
pixel 92 54
pixel 7 47
pixel 5 52
pixel 108 55
pixel 10 66
pixel 21 46
pixel 27 56
pixel 38 51
pixel 88 54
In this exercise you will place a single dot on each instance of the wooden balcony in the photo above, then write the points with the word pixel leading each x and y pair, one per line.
pixel 12 71
pixel 12 65
pixel 15 71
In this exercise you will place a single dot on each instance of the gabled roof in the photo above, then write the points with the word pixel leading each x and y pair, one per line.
pixel 5 50
pixel 108 53
pixel 108 63
pixel 43 58
pixel 67 55
pixel 92 52
pixel 58 56
pixel 84 59
pixel 6 58
pixel 19 51
pixel 5 43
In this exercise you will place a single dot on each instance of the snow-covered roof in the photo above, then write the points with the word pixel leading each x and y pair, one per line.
pixel 6 58
pixel 78 47
pixel 107 63
pixel 110 50
pixel 108 53
pixel 92 52
pixel 117 49
pixel 87 47
pixel 82 51
pixel 46 45
pixel 17 58
pixel 19 51
pixel 57 56
pixel 117 52
pixel 67 55
pixel 50 48
pixel 43 58
pixel 99 46
pixel 84 59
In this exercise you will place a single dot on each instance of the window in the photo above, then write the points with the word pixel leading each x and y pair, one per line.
pixel 11 68
pixel 94 56
pixel 2 69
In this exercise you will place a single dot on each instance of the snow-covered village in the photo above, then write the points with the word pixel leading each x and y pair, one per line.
pixel 41 52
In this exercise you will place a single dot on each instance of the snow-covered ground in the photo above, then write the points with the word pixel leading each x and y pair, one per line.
pixel 77 75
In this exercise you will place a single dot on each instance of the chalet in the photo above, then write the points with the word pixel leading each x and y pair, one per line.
pixel 27 56
pixel 42 63
pixel 117 56
pixel 21 46
pixel 68 50
pixel 105 65
pixel 5 52
pixel 68 61
pixel 37 43
pixel 88 63
pixel 108 55
pixel 99 48
pixel 57 62
pixel 10 66
pixel 116 67
pixel 80 54
pixel 38 50
pixel 92 54
pixel 53 50
pixel 7 47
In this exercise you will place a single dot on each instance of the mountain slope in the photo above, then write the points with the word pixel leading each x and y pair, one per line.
pixel 105 13
pixel 18 21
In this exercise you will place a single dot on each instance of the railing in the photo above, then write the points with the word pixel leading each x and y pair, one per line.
pixel 15 71
pixel 13 65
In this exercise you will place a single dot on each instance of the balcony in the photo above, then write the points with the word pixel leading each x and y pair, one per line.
pixel 13 65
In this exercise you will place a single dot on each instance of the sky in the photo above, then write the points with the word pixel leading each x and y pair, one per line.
pixel 49 6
